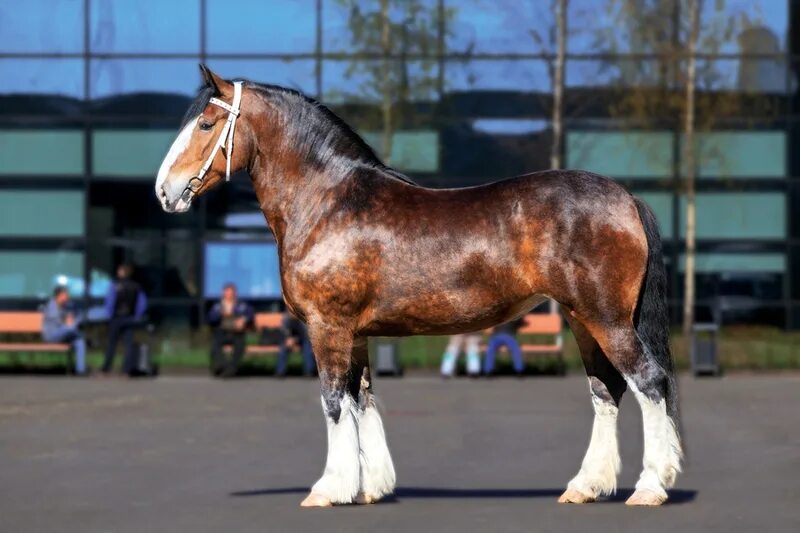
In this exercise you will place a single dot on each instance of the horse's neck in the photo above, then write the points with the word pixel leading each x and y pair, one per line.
pixel 296 201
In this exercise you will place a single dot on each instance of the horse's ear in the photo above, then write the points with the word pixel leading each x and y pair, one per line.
pixel 220 85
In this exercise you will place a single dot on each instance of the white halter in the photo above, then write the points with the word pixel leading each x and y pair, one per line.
pixel 226 134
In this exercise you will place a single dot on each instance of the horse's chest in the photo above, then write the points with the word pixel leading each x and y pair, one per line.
pixel 335 275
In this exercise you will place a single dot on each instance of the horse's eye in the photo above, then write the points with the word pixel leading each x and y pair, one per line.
pixel 205 126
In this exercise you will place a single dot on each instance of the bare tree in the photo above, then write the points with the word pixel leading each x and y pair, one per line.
pixel 560 8
pixel 689 159
pixel 394 30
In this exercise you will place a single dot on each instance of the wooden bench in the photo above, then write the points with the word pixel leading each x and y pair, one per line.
pixel 541 324
pixel 29 323
pixel 261 322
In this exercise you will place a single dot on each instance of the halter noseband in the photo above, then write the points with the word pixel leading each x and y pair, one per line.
pixel 225 137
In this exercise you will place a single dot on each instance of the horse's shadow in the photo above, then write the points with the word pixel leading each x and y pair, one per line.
pixel 676 496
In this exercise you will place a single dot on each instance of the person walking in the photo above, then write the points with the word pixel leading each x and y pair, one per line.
pixel 62 324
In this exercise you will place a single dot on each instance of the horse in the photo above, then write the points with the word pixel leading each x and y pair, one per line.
pixel 365 251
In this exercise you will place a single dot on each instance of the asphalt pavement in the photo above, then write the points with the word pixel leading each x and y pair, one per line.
pixel 193 454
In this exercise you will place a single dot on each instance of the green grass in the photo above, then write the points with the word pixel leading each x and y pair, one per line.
pixel 740 348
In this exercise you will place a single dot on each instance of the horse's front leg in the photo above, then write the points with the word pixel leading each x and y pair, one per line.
pixel 377 469
pixel 341 479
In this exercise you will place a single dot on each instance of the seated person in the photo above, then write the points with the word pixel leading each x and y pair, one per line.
pixel 293 329
pixel 125 306
pixel 229 318
pixel 505 335
pixel 61 324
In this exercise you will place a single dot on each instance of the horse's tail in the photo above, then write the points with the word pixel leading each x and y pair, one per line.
pixel 652 315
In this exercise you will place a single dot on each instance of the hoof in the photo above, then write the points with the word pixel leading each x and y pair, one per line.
pixel 316 500
pixel 574 496
pixel 646 497
pixel 365 499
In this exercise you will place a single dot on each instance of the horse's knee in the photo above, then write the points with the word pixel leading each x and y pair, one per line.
pixel 607 390
pixel 649 380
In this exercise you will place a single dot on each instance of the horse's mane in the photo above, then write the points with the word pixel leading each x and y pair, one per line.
pixel 317 131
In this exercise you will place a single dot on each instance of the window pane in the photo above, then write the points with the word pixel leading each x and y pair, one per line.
pixel 145 26
pixel 22 213
pixel 23 151
pixel 515 75
pixel 738 215
pixel 744 26
pixel 354 26
pixel 298 74
pixel 412 151
pixel 252 26
pixel 617 73
pixel 762 75
pixel 116 76
pixel 35 273
pixel 710 262
pixel 42 76
pixel 661 203
pixel 363 81
pixel 48 26
pixel 130 153
pixel 641 154
pixel 741 154
pixel 499 26
pixel 253 266
pixel 603 26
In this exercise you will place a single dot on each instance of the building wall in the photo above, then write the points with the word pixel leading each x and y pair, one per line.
pixel 92 91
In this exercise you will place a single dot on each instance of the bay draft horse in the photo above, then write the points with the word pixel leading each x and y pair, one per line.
pixel 365 251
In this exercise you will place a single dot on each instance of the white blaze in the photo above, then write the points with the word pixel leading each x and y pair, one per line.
pixel 177 148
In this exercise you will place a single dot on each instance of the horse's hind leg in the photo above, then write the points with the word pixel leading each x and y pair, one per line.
pixel 654 388
pixel 601 464
pixel 341 479
pixel 377 469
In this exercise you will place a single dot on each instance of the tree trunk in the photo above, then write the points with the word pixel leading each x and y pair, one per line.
pixel 558 83
pixel 689 162
pixel 386 106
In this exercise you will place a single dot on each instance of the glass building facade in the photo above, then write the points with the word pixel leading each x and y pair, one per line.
pixel 92 92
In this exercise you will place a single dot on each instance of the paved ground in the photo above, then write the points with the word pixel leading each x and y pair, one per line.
pixel 190 454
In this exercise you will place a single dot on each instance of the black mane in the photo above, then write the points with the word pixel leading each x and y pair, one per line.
pixel 318 132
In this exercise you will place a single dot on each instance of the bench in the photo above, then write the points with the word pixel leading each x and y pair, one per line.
pixel 261 322
pixel 29 323
pixel 542 324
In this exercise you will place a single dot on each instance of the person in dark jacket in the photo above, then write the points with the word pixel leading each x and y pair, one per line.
pixel 229 318
pixel 292 329
pixel 505 335
pixel 126 304
pixel 62 324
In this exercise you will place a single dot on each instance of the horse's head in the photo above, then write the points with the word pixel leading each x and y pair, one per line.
pixel 212 144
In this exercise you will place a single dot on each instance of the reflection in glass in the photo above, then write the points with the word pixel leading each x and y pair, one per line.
pixel 357 26
pixel 253 26
pixel 22 213
pixel 48 26
pixel 363 81
pixel 152 26
pixel 611 26
pixel 518 75
pixel 252 266
pixel 62 77
pixel 118 76
pixel 500 26
pixel 297 74
pixel 27 273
